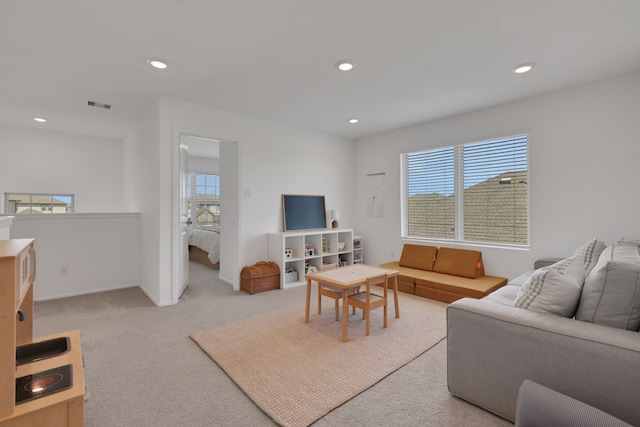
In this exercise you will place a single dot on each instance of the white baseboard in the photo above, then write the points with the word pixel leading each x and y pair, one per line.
pixel 87 292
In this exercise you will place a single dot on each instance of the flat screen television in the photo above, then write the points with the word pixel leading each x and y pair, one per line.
pixel 301 212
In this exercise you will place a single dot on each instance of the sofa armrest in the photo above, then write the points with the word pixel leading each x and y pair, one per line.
pixel 492 348
pixel 540 406
pixel 545 262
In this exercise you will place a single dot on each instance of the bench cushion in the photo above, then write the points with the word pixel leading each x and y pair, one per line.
pixel 418 256
pixel 459 262
pixel 474 288
pixel 406 276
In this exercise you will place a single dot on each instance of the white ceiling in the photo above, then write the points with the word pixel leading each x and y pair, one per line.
pixel 417 60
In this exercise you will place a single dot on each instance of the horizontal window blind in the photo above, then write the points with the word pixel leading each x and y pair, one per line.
pixel 203 197
pixel 495 206
pixel 430 186
pixel 475 192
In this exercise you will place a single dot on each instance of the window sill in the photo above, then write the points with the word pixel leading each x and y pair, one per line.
pixel 465 244
pixel 73 216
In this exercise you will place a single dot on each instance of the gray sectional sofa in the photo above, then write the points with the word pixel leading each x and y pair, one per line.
pixel 572 327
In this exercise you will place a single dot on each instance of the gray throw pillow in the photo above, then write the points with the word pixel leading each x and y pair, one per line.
pixel 611 293
pixel 554 289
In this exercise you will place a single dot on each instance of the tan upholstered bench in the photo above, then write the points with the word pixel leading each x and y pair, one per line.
pixel 444 274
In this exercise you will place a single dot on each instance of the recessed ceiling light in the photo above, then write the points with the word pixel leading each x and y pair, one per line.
pixel 157 63
pixel 353 121
pixel 345 65
pixel 523 68
pixel 39 119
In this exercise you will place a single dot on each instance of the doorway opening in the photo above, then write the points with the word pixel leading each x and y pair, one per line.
pixel 207 211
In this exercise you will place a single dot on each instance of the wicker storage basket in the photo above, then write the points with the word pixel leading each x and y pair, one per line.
pixel 260 277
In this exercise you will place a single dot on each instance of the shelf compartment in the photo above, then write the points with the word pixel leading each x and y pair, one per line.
pixel 289 250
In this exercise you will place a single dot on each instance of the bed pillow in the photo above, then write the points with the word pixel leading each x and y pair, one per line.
pixel 590 253
pixel 611 293
pixel 554 289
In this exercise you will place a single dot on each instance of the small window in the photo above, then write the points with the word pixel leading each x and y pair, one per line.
pixel 203 197
pixel 474 192
pixel 30 203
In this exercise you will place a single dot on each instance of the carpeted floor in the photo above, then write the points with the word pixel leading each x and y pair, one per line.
pixel 142 369
pixel 297 372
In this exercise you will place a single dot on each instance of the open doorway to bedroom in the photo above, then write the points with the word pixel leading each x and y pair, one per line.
pixel 210 204
pixel 203 208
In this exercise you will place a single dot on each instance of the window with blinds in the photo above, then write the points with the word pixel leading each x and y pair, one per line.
pixel 203 198
pixel 474 192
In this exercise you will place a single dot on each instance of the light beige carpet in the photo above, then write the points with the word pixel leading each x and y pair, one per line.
pixel 297 372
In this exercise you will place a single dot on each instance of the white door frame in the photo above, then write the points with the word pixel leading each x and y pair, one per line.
pixel 232 230
pixel 182 241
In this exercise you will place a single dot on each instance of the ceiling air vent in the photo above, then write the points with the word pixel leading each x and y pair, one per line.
pixel 98 105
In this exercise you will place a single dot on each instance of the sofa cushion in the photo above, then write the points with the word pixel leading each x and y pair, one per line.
pixel 506 295
pixel 554 289
pixel 459 262
pixel 418 256
pixel 630 239
pixel 611 293
pixel 590 253
pixel 522 279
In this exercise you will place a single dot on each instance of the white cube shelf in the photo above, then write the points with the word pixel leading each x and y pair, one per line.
pixel 320 248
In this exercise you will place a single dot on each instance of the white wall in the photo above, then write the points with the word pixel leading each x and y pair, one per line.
pixel 204 165
pixel 274 159
pixel 41 161
pixel 99 252
pixel 5 227
pixel 584 147
pixel 141 193
pixel 230 198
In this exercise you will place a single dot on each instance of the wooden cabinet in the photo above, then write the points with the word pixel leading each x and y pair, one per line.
pixel 62 408
pixel 295 251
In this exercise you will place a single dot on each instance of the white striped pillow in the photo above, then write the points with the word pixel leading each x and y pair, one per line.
pixel 554 289
pixel 589 253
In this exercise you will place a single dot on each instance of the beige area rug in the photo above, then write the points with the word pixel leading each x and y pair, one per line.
pixel 297 372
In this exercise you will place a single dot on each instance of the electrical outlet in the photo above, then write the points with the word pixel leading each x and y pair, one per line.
pixel 64 269
pixel 392 252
